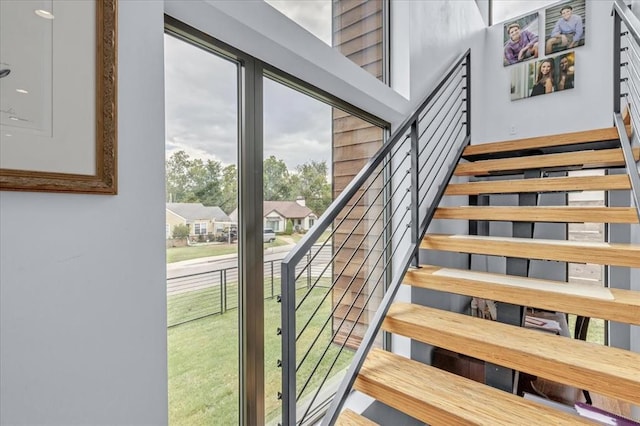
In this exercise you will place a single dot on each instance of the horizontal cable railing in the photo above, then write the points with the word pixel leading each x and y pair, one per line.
pixel 372 231
pixel 626 87
pixel 195 296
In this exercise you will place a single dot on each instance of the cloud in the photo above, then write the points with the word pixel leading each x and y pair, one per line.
pixel 312 15
pixel 202 118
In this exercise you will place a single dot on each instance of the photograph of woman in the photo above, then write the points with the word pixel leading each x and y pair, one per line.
pixel 545 82
pixel 549 75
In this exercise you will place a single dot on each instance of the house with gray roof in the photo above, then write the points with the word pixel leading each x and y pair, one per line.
pixel 201 219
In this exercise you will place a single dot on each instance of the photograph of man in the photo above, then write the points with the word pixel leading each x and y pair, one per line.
pixel 568 30
pixel 521 39
pixel 566 71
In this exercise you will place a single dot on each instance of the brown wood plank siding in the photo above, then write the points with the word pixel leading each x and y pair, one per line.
pixel 357 34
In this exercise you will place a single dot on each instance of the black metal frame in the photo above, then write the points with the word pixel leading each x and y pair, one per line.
pixel 289 364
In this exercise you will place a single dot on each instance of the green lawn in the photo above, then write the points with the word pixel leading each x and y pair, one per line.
pixel 203 360
pixel 177 254
pixel 595 332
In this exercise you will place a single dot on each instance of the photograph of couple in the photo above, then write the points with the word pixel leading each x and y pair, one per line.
pixel 549 75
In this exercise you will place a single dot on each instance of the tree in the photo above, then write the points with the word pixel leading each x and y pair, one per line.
pixel 180 231
pixel 229 189
pixel 277 182
pixel 207 182
pixel 177 177
pixel 288 230
pixel 311 183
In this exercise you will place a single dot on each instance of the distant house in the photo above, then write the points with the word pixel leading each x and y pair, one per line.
pixel 276 214
pixel 201 220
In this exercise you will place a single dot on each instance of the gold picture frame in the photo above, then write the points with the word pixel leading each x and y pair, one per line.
pixel 104 178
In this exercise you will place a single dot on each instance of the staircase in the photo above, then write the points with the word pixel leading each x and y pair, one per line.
pixel 436 396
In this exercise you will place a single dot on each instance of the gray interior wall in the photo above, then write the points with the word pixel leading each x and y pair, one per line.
pixel 82 277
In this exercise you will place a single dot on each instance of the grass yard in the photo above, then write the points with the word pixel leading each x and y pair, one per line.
pixel 177 254
pixel 203 362
pixel 595 332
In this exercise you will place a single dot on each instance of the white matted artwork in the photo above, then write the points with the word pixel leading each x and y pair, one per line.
pixel 58 84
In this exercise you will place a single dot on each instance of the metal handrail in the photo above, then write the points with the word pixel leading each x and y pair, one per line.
pixel 295 256
pixel 623 15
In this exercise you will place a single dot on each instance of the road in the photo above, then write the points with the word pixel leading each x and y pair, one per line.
pixel 215 263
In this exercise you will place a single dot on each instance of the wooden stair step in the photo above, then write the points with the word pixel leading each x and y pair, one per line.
pixel 568 214
pixel 437 397
pixel 584 365
pixel 556 184
pixel 586 300
pixel 568 160
pixel 559 250
pixel 577 140
pixel 350 418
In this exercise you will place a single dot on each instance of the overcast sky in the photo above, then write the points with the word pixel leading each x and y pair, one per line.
pixel 201 102
pixel 201 96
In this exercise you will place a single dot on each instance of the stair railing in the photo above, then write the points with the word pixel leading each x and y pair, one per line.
pixel 373 228
pixel 626 87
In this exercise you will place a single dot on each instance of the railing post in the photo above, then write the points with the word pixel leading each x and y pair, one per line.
pixel 288 291
pixel 468 91
pixel 617 29
pixel 309 268
pixel 272 279
pixel 415 165
pixel 223 290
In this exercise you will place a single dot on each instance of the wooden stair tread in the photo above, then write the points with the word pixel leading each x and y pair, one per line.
pixel 586 300
pixel 350 418
pixel 437 397
pixel 584 365
pixel 582 159
pixel 574 138
pixel 568 214
pixel 555 184
pixel 559 250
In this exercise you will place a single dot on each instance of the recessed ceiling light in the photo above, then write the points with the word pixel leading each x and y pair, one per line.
pixel 44 13
pixel 22 91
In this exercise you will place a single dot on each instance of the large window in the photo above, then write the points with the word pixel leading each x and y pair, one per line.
pixel 222 310
pixel 202 285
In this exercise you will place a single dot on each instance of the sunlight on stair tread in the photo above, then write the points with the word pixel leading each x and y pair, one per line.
pixel 566 288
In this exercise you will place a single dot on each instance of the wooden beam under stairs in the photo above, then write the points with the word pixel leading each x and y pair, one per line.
pixel 574 140
pixel 602 369
pixel 555 184
pixel 602 158
pixel 568 214
pixel 586 300
pixel 559 250
pixel 437 397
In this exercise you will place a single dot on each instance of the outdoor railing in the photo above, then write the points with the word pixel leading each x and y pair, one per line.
pixel 195 296
pixel 373 228
pixel 626 87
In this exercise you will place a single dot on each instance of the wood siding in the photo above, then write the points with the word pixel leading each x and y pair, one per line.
pixel 357 34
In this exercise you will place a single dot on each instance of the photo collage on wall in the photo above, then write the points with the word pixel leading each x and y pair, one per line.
pixel 542 65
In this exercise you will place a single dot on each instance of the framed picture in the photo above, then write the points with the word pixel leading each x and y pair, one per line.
pixel 550 75
pixel 520 39
pixel 565 26
pixel 58 79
